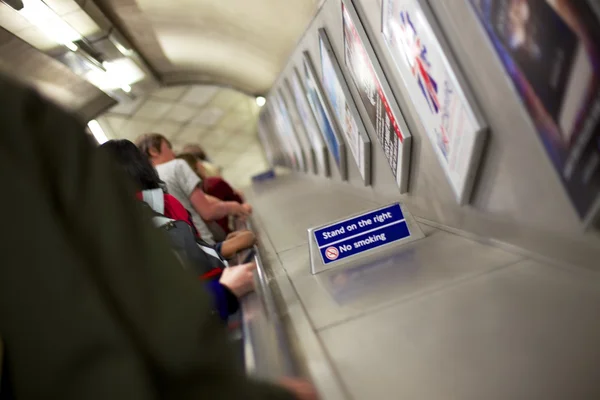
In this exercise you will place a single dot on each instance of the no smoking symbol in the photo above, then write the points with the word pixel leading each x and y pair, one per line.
pixel 332 253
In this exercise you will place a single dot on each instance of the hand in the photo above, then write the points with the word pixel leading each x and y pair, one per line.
pixel 241 212
pixel 239 279
pixel 247 207
pixel 303 390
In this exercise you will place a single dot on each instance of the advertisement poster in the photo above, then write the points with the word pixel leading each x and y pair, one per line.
pixel 282 156
pixel 308 121
pixel 551 52
pixel 316 102
pixel 435 91
pixel 287 136
pixel 341 107
pixel 298 130
pixel 363 74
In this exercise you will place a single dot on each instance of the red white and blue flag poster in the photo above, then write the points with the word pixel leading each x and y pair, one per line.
pixel 439 99
pixel 387 129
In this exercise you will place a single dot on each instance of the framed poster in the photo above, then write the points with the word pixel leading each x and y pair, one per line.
pixel 551 52
pixel 324 116
pixel 385 117
pixel 344 109
pixel 296 87
pixel 309 154
pixel 265 139
pixel 453 125
pixel 301 143
pixel 287 133
pixel 270 136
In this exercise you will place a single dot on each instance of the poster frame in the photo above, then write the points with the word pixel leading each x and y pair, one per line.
pixel 300 133
pixel 464 194
pixel 310 72
pixel 590 217
pixel 404 152
pixel 364 140
pixel 320 148
pixel 285 151
pixel 286 119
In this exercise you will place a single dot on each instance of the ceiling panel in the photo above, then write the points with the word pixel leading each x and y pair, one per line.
pixel 170 93
pixel 168 128
pixel 82 23
pixel 153 109
pixel 116 122
pixel 181 112
pixel 62 7
pixel 209 116
pixel 54 79
pixel 11 20
pixel 128 108
pixel 199 95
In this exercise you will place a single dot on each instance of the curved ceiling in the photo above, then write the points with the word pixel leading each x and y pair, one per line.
pixel 238 43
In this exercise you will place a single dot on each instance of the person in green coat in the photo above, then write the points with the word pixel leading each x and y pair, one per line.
pixel 93 304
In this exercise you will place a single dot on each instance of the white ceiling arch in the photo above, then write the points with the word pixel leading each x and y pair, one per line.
pixel 238 43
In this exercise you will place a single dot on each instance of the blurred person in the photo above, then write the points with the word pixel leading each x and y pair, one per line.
pixel 92 307
pixel 183 183
pixel 211 169
pixel 214 186
pixel 145 178
pixel 225 285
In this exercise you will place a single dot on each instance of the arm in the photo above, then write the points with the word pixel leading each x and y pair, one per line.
pixel 211 211
pixel 189 184
pixel 105 298
pixel 241 241
pixel 225 302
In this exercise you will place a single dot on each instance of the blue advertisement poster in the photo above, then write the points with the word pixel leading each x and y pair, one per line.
pixel 550 49
pixel 318 108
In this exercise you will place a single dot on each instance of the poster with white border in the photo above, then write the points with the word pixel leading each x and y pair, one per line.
pixel 343 107
pixel 452 124
pixel 298 130
pixel 296 88
pixel 282 119
pixel 329 130
pixel 387 123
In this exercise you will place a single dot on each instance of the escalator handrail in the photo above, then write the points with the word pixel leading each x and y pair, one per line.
pixel 286 364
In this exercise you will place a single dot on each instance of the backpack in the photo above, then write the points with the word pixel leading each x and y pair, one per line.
pixel 201 256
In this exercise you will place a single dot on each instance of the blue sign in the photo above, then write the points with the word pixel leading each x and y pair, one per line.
pixel 264 176
pixel 362 233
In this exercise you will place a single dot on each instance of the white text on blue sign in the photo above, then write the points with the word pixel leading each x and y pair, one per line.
pixel 364 232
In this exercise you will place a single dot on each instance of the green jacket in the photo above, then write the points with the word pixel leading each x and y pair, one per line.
pixel 93 305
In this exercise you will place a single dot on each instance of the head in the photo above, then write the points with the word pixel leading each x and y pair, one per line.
pixel 195 150
pixel 134 163
pixel 156 147
pixel 195 164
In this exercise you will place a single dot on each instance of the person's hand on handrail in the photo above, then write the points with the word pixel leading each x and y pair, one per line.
pixel 302 389
pixel 239 279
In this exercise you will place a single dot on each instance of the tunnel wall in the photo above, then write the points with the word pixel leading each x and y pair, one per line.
pixel 517 195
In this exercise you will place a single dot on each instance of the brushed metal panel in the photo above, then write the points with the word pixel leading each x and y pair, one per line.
pixel 426 265
pixel 290 205
pixel 525 332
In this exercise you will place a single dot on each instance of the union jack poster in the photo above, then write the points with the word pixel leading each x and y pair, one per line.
pixel 451 123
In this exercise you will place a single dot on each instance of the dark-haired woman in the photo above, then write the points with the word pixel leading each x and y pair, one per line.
pixel 225 284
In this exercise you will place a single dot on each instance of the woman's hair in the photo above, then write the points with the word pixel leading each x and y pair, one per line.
pixel 134 163
pixel 195 150
pixel 150 141
pixel 191 160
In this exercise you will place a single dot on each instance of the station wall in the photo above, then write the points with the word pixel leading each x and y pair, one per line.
pixel 517 192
